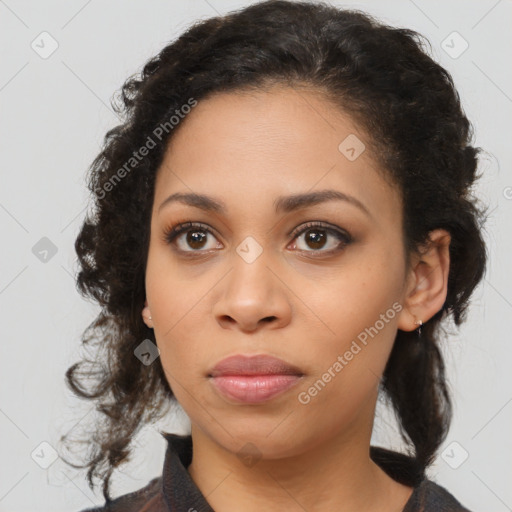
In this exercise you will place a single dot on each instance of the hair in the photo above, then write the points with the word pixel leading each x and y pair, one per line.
pixel 380 75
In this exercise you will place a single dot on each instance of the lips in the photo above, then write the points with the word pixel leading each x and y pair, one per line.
pixel 253 379
pixel 253 365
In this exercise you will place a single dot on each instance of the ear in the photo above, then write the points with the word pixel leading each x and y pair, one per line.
pixel 427 281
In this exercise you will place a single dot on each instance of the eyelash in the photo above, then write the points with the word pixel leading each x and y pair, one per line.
pixel 172 232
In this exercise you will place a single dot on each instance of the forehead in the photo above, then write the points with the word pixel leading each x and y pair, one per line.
pixel 259 145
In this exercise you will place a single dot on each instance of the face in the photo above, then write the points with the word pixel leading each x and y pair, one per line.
pixel 316 284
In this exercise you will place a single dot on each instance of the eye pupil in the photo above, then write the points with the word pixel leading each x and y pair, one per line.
pixel 317 238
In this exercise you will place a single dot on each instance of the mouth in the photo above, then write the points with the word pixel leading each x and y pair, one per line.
pixel 253 379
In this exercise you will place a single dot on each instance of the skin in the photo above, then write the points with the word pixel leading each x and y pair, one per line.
pixel 305 308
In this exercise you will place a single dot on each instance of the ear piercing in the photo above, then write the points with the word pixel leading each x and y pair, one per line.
pixel 419 323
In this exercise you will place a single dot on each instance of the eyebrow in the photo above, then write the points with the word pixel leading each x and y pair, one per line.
pixel 284 204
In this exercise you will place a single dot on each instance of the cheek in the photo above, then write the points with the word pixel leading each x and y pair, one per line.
pixel 182 368
pixel 348 368
pixel 179 312
pixel 171 295
pixel 360 308
pixel 356 298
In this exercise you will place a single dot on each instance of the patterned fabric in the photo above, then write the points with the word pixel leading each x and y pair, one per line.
pixel 175 491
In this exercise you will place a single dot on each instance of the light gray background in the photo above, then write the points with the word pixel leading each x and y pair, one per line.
pixel 54 114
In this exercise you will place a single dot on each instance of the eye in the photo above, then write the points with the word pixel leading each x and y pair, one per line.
pixel 196 236
pixel 319 235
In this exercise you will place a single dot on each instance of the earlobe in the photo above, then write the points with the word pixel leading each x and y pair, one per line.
pixel 428 280
pixel 146 315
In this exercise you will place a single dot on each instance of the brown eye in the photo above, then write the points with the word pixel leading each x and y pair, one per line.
pixel 319 237
pixel 190 235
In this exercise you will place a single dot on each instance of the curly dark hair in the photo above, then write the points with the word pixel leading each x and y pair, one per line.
pixel 386 80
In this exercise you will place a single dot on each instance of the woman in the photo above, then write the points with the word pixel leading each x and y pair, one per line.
pixel 282 224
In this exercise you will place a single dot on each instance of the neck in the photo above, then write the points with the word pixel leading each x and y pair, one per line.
pixel 336 473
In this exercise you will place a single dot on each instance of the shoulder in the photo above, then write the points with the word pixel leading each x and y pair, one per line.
pixel 431 497
pixel 147 499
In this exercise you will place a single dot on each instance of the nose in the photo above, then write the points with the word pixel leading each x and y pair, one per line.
pixel 253 297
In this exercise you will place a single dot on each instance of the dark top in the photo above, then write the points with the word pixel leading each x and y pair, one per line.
pixel 175 491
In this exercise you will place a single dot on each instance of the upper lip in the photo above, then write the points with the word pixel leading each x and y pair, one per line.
pixel 253 365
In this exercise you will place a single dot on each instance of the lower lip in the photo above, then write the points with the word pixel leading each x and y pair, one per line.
pixel 253 388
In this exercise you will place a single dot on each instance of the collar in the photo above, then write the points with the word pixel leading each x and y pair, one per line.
pixel 181 493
